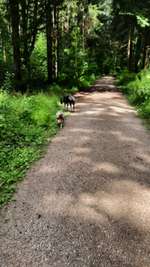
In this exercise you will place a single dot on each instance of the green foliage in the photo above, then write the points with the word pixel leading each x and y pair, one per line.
pixel 125 76
pixel 25 124
pixel 8 83
pixel 74 57
pixel 142 21
pixel 137 88
pixel 144 110
pixel 86 81
pixel 39 59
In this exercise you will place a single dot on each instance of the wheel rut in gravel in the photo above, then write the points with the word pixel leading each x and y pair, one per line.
pixel 87 201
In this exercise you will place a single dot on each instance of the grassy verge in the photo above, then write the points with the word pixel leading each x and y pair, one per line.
pixel 26 122
pixel 137 89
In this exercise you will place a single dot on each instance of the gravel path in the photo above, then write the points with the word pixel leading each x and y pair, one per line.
pixel 87 202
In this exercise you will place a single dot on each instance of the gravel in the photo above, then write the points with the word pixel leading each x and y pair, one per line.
pixel 86 203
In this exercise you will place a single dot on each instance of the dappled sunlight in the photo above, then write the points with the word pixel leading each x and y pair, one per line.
pixel 122 110
pixel 94 111
pixel 145 157
pixel 114 114
pixel 139 166
pixel 91 191
pixel 82 150
pixel 122 103
pixel 82 130
pixel 60 138
pixel 98 111
pixel 56 204
pixel 46 169
pixel 121 136
pixel 120 200
pixel 82 157
pixel 124 200
pixel 132 201
pixel 106 167
pixel 66 205
pixel 87 213
pixel 101 85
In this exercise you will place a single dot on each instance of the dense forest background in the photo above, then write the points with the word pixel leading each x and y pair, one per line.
pixel 69 40
pixel 52 47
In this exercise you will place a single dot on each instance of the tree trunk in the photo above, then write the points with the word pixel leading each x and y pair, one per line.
pixel 144 50
pixel 49 30
pixel 58 41
pixel 4 52
pixel 130 48
pixel 14 11
pixel 137 54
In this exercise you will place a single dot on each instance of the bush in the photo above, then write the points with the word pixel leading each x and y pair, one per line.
pixel 25 123
pixel 137 88
pixel 145 110
pixel 86 81
pixel 8 83
pixel 124 77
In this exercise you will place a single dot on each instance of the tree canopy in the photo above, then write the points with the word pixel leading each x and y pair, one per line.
pixel 67 40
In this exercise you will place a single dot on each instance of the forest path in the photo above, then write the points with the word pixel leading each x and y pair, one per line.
pixel 87 202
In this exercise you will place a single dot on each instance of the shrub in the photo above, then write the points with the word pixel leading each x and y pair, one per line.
pixel 145 110
pixel 86 81
pixel 8 83
pixel 137 88
pixel 25 123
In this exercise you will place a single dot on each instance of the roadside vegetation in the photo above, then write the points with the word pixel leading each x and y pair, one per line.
pixel 137 89
pixel 51 48
pixel 26 123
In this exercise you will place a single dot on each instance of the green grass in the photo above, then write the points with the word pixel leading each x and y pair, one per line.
pixel 137 89
pixel 26 122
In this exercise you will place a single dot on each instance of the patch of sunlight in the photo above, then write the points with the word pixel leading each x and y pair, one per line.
pixel 122 110
pixel 56 204
pixel 74 130
pixel 82 158
pixel 144 156
pixel 140 167
pixel 47 169
pixel 94 111
pixel 87 199
pixel 62 204
pixel 60 138
pixel 82 150
pixel 123 200
pixel 114 114
pixel 87 213
pixel 126 200
pixel 122 137
pixel 83 104
pixel 104 85
pixel 106 167
pixel 123 105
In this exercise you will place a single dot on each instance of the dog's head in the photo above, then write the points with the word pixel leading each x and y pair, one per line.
pixel 60 114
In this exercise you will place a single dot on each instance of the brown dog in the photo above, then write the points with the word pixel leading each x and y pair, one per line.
pixel 60 119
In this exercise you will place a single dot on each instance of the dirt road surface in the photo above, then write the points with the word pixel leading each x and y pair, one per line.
pixel 86 203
